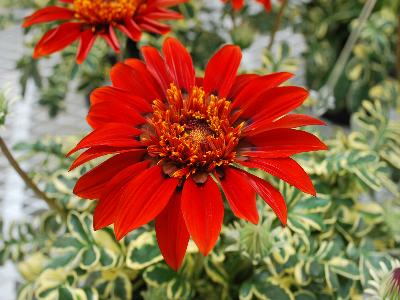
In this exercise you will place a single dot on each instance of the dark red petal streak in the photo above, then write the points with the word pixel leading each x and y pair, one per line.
pixel 203 211
pixel 107 206
pixel 86 43
pixel 113 95
pixel 288 121
pixel 92 184
pixel 221 71
pixel 251 91
pixel 104 113
pixel 48 14
pixel 135 78
pixel 172 235
pixel 271 196
pixel 281 143
pixel 57 39
pixel 156 65
pixel 240 82
pixel 111 134
pixel 240 195
pixel 286 169
pixel 274 103
pixel 96 152
pixel 144 198
pixel 179 63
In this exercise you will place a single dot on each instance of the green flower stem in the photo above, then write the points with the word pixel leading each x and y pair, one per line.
pixel 51 202
pixel 398 46
pixel 348 47
pixel 277 23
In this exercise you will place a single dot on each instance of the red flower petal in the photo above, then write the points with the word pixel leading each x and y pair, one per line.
pixel 57 39
pixel 92 184
pixel 249 94
pixel 270 195
pixel 151 25
pixel 115 112
pixel 87 40
pixel 111 95
pixel 131 29
pixel 156 65
pixel 240 82
pixel 282 143
pixel 96 152
pixel 168 3
pixel 203 212
pixel 144 198
pixel 163 14
pixel 111 134
pixel 221 71
pixel 107 206
pixel 274 103
pixel 288 121
pixel 266 3
pixel 134 79
pixel 172 235
pixel 48 14
pixel 237 4
pixel 179 63
pixel 111 38
pixel 286 169
pixel 239 194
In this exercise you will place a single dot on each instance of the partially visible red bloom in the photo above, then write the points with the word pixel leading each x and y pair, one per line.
pixel 179 141
pixel 85 20
pixel 238 4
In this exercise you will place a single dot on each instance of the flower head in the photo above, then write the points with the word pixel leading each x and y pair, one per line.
pixel 385 281
pixel 178 139
pixel 85 20
pixel 238 4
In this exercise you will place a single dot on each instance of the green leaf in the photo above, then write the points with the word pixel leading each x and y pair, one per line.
pixel 344 267
pixel 216 272
pixel 68 260
pixel 246 291
pixel 304 295
pixel 331 278
pixel 67 242
pixel 143 252
pixel 65 294
pixel 122 288
pixel 178 289
pixel 90 258
pixel 158 274
pixel 313 205
pixel 78 228
pixel 269 291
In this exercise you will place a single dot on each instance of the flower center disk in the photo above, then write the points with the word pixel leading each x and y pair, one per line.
pixel 192 132
pixel 105 11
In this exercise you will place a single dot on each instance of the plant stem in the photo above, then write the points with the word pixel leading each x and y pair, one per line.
pixel 348 47
pixel 51 202
pixel 132 49
pixel 398 47
pixel 277 23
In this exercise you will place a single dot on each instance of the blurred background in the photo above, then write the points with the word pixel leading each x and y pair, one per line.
pixel 344 244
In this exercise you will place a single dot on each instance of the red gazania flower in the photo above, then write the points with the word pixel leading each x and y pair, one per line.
pixel 181 141
pixel 85 20
pixel 238 4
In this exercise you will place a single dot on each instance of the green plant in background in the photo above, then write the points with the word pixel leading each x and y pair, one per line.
pixel 342 244
pixel 330 249
pixel 326 25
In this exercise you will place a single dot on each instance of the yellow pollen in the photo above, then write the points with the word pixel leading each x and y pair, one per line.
pixel 105 11
pixel 193 133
